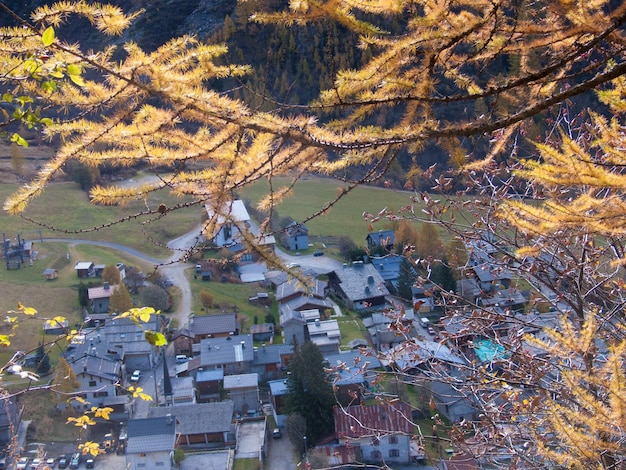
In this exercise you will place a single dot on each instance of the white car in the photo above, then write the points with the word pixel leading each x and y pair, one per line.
pixel 136 376
pixel 22 463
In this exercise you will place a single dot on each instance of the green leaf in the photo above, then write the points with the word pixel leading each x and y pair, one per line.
pixel 46 121
pixel 19 140
pixel 48 36
pixel 49 86
pixel 73 69
pixel 8 97
pixel 56 73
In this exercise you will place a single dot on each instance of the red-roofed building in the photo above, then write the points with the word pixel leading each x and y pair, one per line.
pixel 382 432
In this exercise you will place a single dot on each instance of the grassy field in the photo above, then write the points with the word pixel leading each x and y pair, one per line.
pixel 66 208
pixel 345 218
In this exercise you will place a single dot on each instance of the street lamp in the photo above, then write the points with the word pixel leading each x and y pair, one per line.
pixel 307 465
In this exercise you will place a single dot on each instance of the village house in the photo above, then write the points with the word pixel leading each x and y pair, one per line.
pixel 359 286
pixel 229 223
pixel 213 326
pixel 233 354
pixel 10 422
pixel 100 297
pixel 271 361
pixel 351 373
pixel 209 383
pixel 201 426
pixel 382 432
pixel 278 395
pixel 383 334
pixel 151 442
pixel 383 239
pixel 243 391
pixel 296 236
pixel 183 341
pixel 294 322
pixel 325 335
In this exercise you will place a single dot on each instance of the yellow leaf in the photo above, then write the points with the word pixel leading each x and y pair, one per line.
pixel 47 38
pixel 155 339
pixel 26 310
pixel 78 80
pixel 4 341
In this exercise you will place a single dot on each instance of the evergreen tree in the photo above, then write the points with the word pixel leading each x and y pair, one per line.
pixel 310 395
pixel 43 361
pixel 443 276
pixel 406 279
pixel 83 295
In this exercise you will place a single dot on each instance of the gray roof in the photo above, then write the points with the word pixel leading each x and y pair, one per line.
pixel 198 418
pixel 278 387
pixel 152 434
pixel 361 281
pixel 219 351
pixel 98 367
pixel 271 353
pixel 241 381
pixel 182 387
pixel 364 359
pixel 214 324
pixel 209 375
pixel 295 287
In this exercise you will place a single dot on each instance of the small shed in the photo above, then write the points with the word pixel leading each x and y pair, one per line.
pixel 85 269
pixel 262 331
pixel 50 274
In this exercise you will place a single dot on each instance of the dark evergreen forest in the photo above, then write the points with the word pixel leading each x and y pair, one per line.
pixel 292 64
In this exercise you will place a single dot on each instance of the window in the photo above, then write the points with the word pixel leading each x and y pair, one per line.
pixel 160 464
pixel 393 439
pixel 92 383
pixel 141 465
pixel 394 453
pixel 376 455
pixel 375 441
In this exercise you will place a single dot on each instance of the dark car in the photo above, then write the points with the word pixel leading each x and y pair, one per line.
pixel 318 253
pixel 64 461
pixel 75 462
pixel 90 462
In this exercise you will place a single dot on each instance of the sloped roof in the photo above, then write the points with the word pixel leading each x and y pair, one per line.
pixel 199 418
pixel 98 367
pixel 235 211
pixel 386 237
pixel 101 292
pixel 387 266
pixel 361 281
pixel 360 421
pixel 152 434
pixel 295 287
pixel 296 229
pixel 214 324
pixel 230 350
pixel 83 265
pixel 232 382
pixel 271 354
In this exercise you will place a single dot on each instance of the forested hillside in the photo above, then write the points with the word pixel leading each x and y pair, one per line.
pixel 292 64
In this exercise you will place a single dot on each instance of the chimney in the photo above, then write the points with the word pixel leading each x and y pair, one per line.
pixel 168 418
pixel 105 286
pixel 98 336
pixel 208 345
pixel 243 344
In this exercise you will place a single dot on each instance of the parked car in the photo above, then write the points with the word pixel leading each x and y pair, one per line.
pixel 90 462
pixel 75 462
pixel 431 331
pixel 51 462
pixel 276 434
pixel 181 359
pixel 136 376
pixel 34 465
pixel 318 253
pixel 64 461
pixel 22 463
